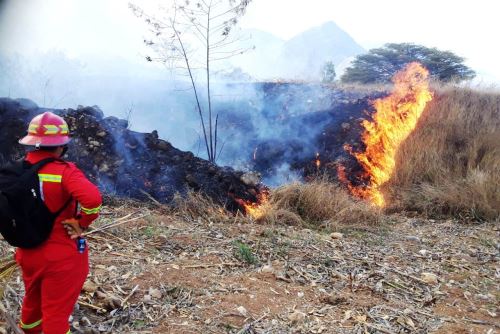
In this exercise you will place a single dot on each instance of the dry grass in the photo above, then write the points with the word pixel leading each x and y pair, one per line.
pixel 198 206
pixel 451 164
pixel 317 203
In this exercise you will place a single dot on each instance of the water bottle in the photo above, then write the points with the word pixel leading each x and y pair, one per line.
pixel 81 245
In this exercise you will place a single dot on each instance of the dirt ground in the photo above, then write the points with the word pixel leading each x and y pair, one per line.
pixel 170 273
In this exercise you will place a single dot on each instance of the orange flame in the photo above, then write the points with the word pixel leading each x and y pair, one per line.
pixel 255 210
pixel 318 161
pixel 396 116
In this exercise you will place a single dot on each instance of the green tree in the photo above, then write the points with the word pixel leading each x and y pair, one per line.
pixel 380 64
pixel 328 72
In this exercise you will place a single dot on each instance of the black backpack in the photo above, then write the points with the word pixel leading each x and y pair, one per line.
pixel 25 220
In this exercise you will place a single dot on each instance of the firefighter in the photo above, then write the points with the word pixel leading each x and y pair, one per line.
pixel 54 272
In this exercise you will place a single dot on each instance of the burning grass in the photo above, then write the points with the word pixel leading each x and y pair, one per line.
pixel 318 203
pixel 450 165
pixel 395 118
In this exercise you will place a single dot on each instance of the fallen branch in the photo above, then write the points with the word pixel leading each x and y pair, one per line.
pixel 481 322
pixel 148 195
pixel 114 224
pixel 97 308
pixel 224 264
pixel 130 295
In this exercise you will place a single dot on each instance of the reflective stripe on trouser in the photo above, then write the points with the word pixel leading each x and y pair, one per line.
pixel 91 211
pixel 52 289
pixel 22 325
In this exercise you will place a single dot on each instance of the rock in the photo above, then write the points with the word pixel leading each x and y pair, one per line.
pixel 111 303
pixel 267 269
pixel 243 311
pixel 86 321
pixel 90 287
pixel 334 300
pixel 101 134
pixel 104 168
pixel 251 179
pixel 429 278
pixel 336 235
pixel 191 180
pixel 155 293
pixel 423 252
pixel 413 238
pixel 163 145
pixel 297 317
pixel 487 297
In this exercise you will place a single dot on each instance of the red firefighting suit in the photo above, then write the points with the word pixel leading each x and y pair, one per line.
pixel 54 272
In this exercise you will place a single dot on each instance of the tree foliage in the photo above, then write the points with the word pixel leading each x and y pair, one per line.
pixel 328 72
pixel 380 64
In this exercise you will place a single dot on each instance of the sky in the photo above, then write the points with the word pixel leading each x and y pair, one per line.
pixel 107 28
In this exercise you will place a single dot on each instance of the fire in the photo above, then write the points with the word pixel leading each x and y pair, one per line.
pixel 257 209
pixel 395 118
pixel 318 161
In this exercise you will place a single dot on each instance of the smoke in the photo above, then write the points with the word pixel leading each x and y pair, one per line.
pixel 269 127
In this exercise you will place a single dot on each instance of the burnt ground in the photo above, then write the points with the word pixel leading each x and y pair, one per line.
pixel 127 163
pixel 166 272
pixel 277 131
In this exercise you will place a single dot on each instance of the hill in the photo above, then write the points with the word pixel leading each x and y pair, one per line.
pixel 299 58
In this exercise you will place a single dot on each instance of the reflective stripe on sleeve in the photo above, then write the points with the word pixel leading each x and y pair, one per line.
pixel 22 325
pixel 50 178
pixel 91 211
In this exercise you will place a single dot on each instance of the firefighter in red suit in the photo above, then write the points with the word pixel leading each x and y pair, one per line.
pixel 55 271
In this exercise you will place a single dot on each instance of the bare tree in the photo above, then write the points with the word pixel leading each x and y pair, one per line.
pixel 191 35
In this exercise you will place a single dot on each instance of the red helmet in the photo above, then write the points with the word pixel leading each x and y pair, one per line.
pixel 46 129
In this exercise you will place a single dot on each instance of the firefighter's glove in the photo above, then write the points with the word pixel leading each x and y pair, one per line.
pixel 73 228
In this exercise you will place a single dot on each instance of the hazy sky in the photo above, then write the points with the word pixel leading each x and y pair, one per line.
pixel 107 28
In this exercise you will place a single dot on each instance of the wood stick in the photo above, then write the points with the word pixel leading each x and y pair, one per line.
pixel 130 295
pixel 148 195
pixel 228 264
pixel 114 224
pixel 92 306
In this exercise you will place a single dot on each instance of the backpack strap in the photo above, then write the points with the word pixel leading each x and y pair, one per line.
pixel 58 212
pixel 33 169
